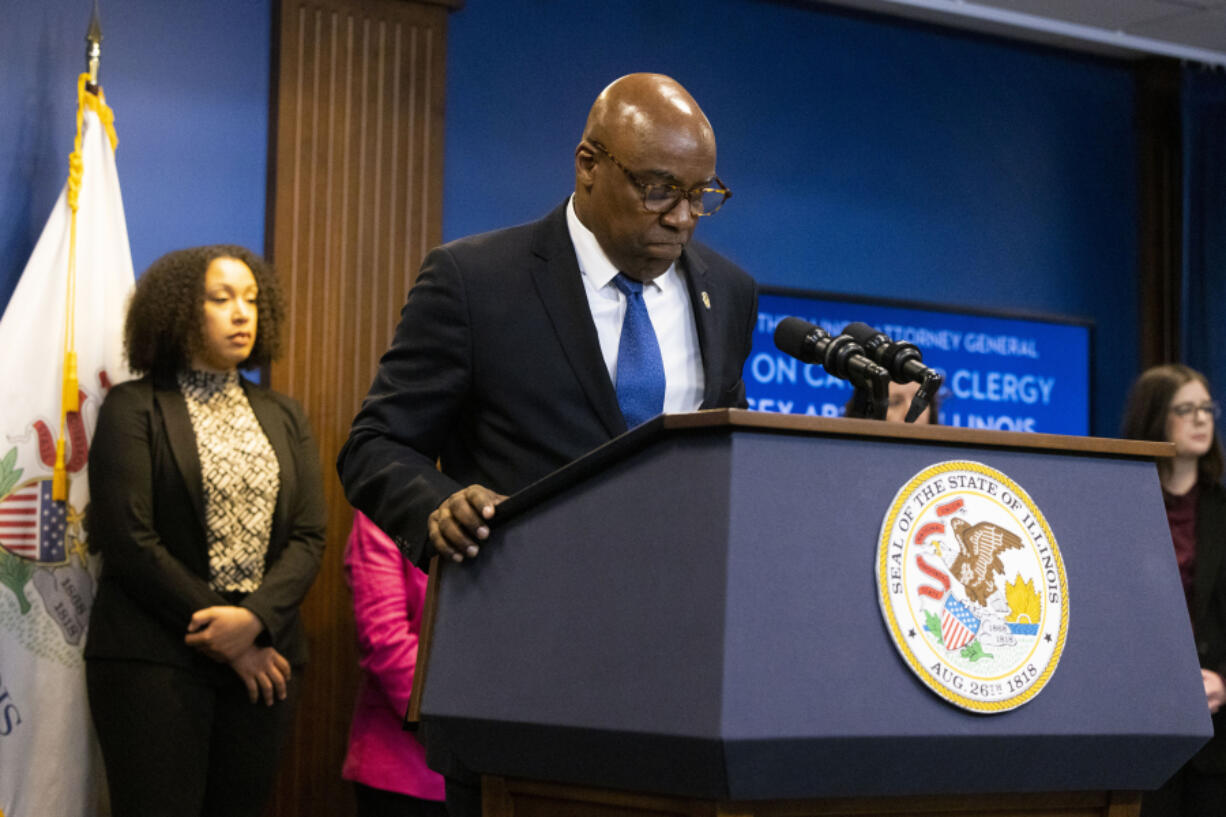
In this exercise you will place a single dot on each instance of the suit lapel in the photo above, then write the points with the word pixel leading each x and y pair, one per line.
pixel 709 343
pixel 560 287
pixel 269 417
pixel 182 439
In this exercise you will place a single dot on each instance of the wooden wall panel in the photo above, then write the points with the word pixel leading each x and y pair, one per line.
pixel 1159 211
pixel 356 199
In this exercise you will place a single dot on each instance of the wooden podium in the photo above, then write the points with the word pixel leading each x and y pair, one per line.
pixel 686 622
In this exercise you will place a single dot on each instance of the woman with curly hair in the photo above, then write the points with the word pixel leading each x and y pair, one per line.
pixel 207 506
pixel 1171 403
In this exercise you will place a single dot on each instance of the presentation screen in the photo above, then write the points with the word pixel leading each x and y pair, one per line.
pixel 1001 371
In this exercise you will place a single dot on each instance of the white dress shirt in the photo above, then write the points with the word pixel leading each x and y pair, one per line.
pixel 668 304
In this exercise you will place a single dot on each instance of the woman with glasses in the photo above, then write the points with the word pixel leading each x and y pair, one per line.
pixel 901 395
pixel 1171 403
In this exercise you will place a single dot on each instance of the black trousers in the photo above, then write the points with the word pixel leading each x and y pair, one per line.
pixel 374 802
pixel 464 796
pixel 184 743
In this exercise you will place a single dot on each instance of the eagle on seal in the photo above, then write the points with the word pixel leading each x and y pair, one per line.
pixel 978 559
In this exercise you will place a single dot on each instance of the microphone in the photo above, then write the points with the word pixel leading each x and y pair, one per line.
pixel 904 361
pixel 840 356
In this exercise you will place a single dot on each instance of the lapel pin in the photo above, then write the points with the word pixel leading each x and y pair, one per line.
pixel 706 300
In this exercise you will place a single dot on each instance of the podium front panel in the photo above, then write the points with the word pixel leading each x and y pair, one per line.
pixel 590 628
pixel 804 622
pixel 701 619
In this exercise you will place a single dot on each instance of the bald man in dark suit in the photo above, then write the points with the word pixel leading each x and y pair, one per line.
pixel 504 363
pixel 510 358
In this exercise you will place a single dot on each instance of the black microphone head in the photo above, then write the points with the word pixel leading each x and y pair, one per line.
pixel 861 333
pixel 874 343
pixel 792 336
pixel 903 360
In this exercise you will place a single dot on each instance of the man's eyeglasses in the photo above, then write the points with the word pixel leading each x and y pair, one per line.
pixel 661 198
pixel 1212 408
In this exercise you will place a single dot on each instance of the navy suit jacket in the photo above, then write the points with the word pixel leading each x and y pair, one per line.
pixel 495 373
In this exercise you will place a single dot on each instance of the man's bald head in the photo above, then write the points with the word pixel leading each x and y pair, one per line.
pixel 634 108
pixel 643 129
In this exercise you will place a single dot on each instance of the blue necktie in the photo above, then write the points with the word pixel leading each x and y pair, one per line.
pixel 640 368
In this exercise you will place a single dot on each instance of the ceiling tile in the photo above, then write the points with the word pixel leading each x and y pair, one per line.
pixel 1201 29
pixel 1112 15
pixel 1181 29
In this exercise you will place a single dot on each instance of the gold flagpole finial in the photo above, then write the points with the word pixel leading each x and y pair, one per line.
pixel 93 49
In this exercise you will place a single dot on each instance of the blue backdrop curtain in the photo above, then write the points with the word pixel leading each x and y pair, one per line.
pixel 1204 232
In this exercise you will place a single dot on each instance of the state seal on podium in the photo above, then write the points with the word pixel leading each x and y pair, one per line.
pixel 972 587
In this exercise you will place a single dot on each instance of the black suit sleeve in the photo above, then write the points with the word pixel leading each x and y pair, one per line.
pixel 121 512
pixel 290 574
pixel 387 465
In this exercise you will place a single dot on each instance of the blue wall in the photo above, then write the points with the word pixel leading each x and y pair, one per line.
pixel 866 157
pixel 189 85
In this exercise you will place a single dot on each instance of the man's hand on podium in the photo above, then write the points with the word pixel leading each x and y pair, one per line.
pixel 458 524
pixel 1215 690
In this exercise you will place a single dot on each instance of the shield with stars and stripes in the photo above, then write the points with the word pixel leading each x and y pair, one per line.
pixel 32 524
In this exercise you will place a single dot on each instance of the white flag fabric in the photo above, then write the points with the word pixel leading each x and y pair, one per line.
pixel 49 763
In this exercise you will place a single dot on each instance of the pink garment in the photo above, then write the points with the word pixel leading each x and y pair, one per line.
pixel 388 594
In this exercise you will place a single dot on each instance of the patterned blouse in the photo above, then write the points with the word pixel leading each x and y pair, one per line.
pixel 241 478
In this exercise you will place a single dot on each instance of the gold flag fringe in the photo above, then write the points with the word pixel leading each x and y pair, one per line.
pixel 69 392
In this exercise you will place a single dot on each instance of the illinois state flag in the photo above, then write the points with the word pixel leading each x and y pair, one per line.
pixel 49 763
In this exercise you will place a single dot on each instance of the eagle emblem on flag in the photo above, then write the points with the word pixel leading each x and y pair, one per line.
pixel 43 555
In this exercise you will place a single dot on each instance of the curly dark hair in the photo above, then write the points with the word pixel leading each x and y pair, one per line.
pixel 164 327
pixel 1149 400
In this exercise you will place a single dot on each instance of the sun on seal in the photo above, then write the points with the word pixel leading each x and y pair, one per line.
pixel 972 587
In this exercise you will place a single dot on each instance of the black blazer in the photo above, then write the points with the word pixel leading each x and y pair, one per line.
pixel 495 372
pixel 1209 610
pixel 146 515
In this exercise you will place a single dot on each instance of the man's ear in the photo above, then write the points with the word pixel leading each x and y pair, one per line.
pixel 585 164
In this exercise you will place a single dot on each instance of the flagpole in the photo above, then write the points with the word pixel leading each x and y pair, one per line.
pixel 89 94
pixel 49 758
pixel 93 50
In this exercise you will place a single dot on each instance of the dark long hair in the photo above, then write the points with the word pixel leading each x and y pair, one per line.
pixel 164 327
pixel 1149 401
pixel 934 407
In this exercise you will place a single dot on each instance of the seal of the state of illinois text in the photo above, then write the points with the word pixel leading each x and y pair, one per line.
pixel 972 587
